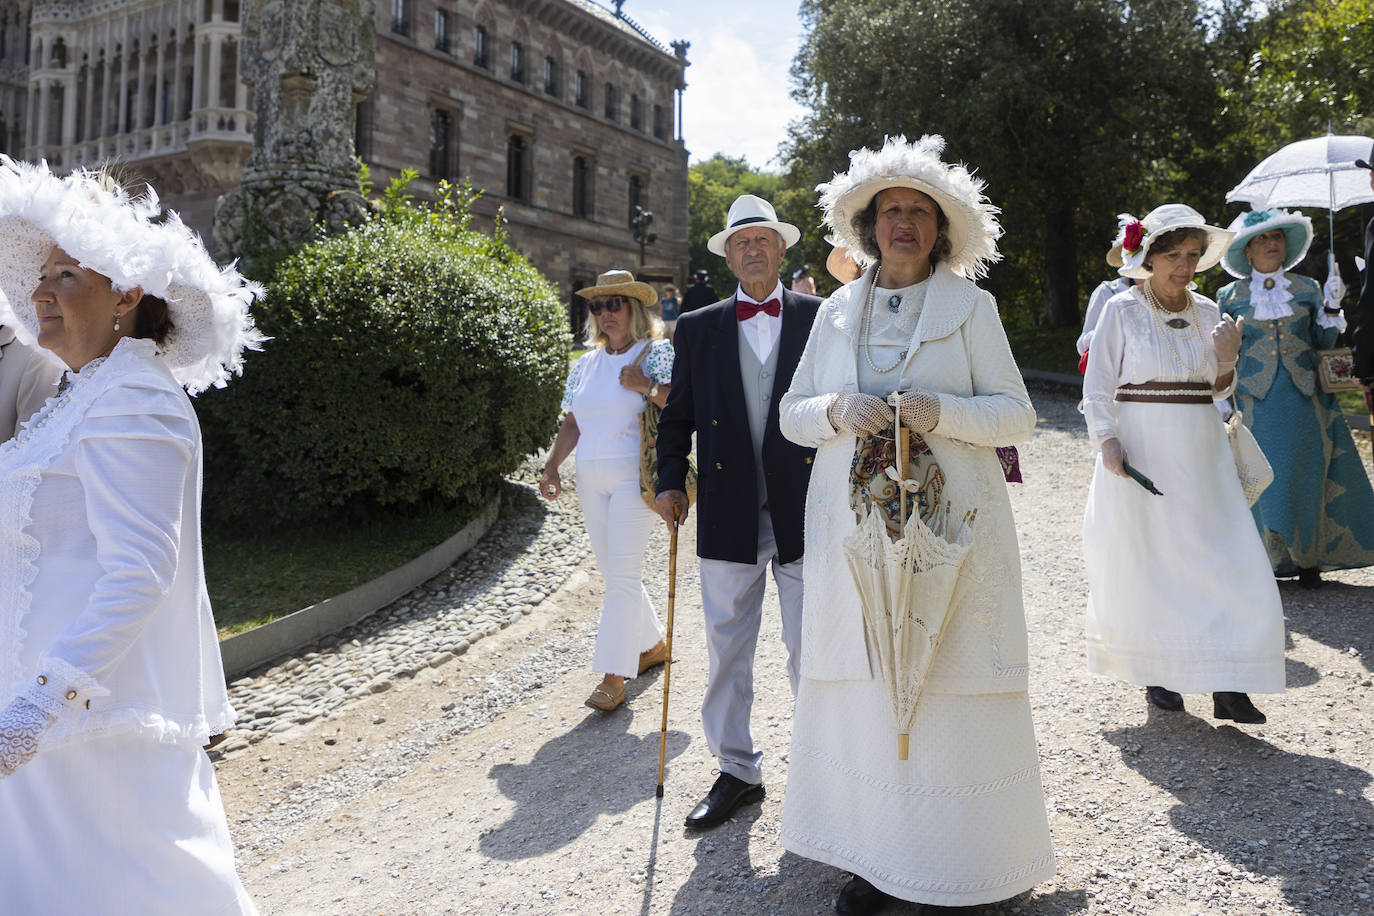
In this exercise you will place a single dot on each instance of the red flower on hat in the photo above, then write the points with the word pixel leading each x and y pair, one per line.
pixel 1133 236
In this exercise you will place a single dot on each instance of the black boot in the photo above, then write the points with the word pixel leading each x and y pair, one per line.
pixel 1164 698
pixel 1227 704
pixel 859 898
pixel 1310 577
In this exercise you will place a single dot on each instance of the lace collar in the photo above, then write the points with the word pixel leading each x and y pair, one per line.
pixel 1270 295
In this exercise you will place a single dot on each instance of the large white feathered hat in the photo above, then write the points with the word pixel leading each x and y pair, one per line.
pixel 133 244
pixel 973 228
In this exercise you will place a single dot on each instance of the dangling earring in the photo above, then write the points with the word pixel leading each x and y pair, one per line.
pixel 116 327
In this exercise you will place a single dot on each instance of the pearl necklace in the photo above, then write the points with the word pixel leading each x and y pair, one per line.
pixel 868 330
pixel 1157 310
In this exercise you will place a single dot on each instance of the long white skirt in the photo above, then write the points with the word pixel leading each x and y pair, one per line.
pixel 117 825
pixel 1181 593
pixel 962 822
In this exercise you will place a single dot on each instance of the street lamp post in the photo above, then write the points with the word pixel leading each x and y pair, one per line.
pixel 640 223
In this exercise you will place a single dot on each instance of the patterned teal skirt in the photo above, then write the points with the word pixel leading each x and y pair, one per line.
pixel 1319 511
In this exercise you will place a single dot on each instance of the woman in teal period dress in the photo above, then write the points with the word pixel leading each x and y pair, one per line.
pixel 1319 512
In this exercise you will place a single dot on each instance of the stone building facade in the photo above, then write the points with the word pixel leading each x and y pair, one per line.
pixel 564 113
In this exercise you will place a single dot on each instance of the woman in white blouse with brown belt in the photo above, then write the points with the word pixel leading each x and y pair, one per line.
pixel 1181 595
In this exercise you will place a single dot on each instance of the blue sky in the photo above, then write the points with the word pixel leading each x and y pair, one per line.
pixel 737 85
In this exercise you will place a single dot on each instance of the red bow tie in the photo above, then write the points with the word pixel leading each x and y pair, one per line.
pixel 746 310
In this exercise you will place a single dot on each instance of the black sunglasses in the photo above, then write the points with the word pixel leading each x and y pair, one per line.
pixel 612 305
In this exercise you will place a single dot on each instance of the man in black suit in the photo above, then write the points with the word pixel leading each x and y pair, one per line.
pixel 734 362
pixel 1362 335
pixel 699 294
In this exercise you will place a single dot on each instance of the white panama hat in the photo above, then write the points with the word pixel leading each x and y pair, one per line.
pixel 117 237
pixel 973 229
pixel 1142 233
pixel 750 212
pixel 1297 235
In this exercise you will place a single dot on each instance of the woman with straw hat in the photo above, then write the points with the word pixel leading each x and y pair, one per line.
pixel 1319 511
pixel 1181 598
pixel 963 821
pixel 110 675
pixel 629 362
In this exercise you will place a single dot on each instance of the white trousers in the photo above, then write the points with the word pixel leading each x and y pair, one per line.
pixel 619 525
pixel 732 599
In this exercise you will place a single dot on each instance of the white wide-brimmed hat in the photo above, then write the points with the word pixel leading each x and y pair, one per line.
pixel 973 229
pixel 750 212
pixel 1137 235
pixel 620 283
pixel 133 244
pixel 1297 234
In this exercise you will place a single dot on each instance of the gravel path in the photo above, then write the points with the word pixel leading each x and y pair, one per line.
pixel 380 776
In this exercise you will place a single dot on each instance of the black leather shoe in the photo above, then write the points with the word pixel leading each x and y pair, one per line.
pixel 725 796
pixel 859 898
pixel 1164 698
pixel 1310 577
pixel 1227 704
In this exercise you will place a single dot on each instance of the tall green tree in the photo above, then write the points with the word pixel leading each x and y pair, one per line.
pixel 1071 110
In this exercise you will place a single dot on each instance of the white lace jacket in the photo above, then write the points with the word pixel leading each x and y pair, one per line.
pixel 104 615
pixel 958 350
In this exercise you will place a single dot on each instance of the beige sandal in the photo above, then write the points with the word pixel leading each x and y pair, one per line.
pixel 654 657
pixel 604 700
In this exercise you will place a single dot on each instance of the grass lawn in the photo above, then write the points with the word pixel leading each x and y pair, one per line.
pixel 259 577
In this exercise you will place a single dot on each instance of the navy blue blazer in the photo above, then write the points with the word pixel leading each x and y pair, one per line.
pixel 707 398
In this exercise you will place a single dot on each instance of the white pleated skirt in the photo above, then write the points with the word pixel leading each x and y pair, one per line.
pixel 117 825
pixel 962 822
pixel 1181 593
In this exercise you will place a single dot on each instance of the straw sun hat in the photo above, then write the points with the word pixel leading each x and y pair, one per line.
pixel 119 238
pixel 973 229
pixel 620 283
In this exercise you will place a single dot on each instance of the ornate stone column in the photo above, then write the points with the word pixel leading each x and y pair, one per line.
pixel 309 63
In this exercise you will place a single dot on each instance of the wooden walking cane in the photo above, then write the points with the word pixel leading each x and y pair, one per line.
pixel 668 650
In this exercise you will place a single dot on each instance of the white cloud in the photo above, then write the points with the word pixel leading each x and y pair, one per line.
pixel 737 100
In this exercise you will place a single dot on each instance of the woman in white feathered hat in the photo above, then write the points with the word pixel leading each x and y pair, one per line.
pixel 963 821
pixel 110 674
pixel 1181 598
pixel 1319 511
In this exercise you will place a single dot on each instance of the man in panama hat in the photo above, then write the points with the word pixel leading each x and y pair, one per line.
pixel 734 362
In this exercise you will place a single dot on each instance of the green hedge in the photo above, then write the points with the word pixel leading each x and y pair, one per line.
pixel 413 362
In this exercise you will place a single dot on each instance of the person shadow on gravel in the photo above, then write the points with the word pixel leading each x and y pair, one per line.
pixel 595 768
pixel 1301 817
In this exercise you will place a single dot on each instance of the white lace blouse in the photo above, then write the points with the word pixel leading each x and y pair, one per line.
pixel 1134 343
pixel 104 616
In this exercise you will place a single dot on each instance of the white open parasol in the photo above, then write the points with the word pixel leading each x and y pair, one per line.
pixel 907 587
pixel 1318 172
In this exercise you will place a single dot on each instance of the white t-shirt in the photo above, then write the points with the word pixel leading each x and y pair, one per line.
pixel 607 412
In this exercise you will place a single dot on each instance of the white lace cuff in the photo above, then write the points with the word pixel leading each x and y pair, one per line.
pixel 1327 320
pixel 61 690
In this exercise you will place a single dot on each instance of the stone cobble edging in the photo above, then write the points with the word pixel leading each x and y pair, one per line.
pixel 525 557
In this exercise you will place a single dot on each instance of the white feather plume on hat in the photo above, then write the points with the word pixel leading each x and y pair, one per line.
pixel 973 227
pixel 116 235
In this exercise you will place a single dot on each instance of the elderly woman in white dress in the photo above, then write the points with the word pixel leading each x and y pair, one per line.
pixel 963 821
pixel 1181 598
pixel 629 361
pixel 110 675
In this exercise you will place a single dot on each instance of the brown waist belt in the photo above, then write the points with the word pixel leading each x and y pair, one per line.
pixel 1166 393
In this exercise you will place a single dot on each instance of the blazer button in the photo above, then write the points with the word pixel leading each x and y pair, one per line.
pixel 714 423
pixel 719 467
pixel 808 459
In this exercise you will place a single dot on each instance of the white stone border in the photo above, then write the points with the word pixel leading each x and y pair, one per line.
pixel 245 651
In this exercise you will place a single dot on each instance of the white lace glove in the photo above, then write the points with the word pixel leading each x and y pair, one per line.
pixel 920 410
pixel 22 724
pixel 858 414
